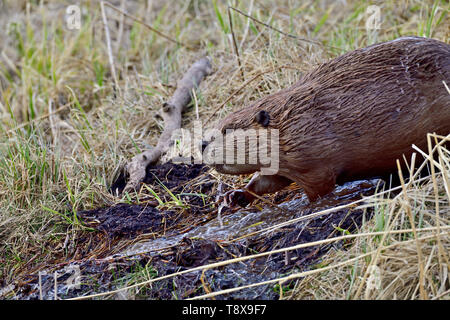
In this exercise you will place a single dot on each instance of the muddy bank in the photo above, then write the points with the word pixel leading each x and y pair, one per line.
pixel 154 238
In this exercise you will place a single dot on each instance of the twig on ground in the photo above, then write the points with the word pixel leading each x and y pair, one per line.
pixel 171 113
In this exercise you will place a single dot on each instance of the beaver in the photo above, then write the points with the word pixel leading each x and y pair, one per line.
pixel 350 118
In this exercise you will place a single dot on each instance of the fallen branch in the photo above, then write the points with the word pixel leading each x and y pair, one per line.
pixel 171 113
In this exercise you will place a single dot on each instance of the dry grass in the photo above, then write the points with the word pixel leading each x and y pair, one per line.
pixel 64 130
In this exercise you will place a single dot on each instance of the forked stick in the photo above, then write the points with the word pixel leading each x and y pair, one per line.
pixel 171 113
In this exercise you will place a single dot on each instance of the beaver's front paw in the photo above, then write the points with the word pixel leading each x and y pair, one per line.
pixel 237 197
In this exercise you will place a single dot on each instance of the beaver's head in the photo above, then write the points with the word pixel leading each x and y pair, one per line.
pixel 242 142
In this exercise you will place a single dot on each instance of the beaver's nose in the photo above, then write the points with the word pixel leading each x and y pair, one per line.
pixel 204 144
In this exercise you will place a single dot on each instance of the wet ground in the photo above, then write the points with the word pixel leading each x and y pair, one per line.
pixel 180 229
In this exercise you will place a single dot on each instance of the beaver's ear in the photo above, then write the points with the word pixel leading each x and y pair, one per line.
pixel 263 118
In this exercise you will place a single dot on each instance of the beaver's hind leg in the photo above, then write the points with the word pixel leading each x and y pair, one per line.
pixel 259 184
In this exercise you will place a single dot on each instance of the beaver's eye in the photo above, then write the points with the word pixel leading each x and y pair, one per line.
pixel 263 118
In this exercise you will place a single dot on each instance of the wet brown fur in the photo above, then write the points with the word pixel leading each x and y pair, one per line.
pixel 353 116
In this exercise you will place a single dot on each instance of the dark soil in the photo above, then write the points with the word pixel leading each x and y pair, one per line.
pixel 125 220
pixel 130 220
pixel 173 176
pixel 102 271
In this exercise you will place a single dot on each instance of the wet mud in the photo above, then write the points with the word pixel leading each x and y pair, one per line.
pixel 154 238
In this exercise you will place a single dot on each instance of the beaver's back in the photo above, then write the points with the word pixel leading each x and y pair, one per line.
pixel 363 110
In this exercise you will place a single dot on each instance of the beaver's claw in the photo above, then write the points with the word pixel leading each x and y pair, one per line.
pixel 237 197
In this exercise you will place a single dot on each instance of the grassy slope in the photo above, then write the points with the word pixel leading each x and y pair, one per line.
pixel 63 132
